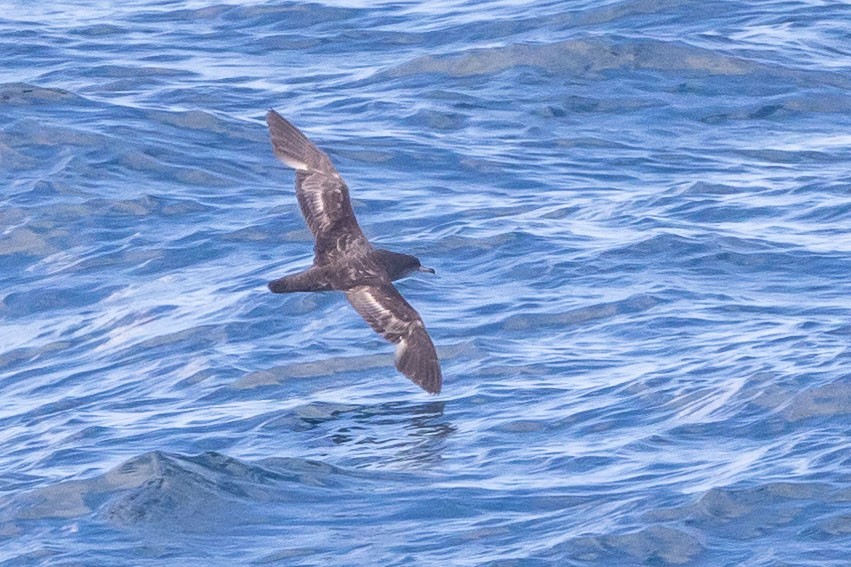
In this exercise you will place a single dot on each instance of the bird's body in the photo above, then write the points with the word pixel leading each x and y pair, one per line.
pixel 354 267
pixel 344 260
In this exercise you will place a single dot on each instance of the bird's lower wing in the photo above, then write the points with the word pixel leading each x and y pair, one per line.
pixel 387 312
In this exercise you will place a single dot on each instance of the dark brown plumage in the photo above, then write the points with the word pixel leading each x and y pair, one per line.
pixel 344 260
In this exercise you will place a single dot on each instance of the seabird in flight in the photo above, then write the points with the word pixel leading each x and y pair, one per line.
pixel 344 260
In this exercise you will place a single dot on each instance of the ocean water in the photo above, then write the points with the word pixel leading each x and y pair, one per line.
pixel 640 217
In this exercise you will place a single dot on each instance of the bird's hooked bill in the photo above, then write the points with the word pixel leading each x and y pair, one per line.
pixel 424 269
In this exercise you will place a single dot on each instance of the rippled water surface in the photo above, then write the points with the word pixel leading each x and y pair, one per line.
pixel 640 217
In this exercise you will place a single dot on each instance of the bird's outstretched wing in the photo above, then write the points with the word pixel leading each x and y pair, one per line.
pixel 387 312
pixel 321 192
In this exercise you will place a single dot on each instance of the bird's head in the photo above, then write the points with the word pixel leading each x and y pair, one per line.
pixel 400 265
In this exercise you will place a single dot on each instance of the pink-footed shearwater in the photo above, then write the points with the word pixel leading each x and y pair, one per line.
pixel 344 260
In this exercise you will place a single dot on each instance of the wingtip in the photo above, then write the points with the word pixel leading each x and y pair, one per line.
pixel 432 381
pixel 418 361
pixel 272 115
pixel 426 375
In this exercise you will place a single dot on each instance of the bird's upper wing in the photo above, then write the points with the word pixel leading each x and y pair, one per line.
pixel 321 192
pixel 387 312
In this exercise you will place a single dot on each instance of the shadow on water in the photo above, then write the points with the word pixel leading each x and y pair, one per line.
pixel 399 435
pixel 425 430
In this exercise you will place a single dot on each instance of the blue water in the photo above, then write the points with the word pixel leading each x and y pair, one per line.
pixel 640 217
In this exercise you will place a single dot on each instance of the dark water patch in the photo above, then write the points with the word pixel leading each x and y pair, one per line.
pixel 660 545
pixel 26 95
pixel 820 402
pixel 100 31
pixel 831 212
pixel 21 241
pixel 189 494
pixel 582 315
pixel 11 357
pixel 310 370
pixel 746 513
pixel 41 300
pixel 329 366
pixel 581 57
pixel 712 256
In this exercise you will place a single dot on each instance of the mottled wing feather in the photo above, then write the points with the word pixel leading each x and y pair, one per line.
pixel 326 207
pixel 321 192
pixel 387 312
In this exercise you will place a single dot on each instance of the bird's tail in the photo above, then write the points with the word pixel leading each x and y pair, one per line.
pixel 309 280
pixel 293 148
